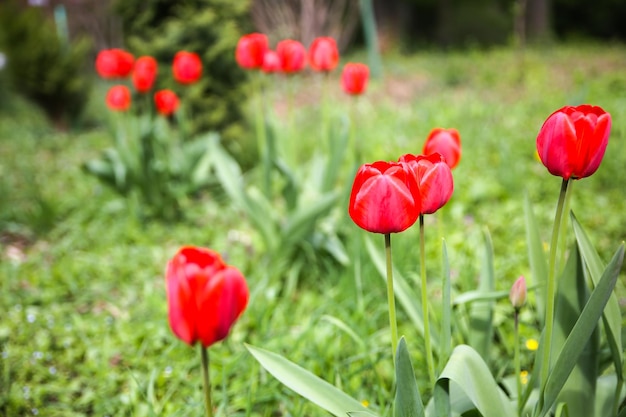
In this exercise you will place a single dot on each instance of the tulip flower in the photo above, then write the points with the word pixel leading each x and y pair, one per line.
pixel 166 102
pixel 518 292
pixel 118 98
pixel 144 74
pixel 271 62
pixel 323 54
pixel 205 296
pixel 187 67
pixel 114 63
pixel 434 179
pixel 385 198
pixel 354 78
pixel 292 56
pixel 250 50
pixel 447 142
pixel 572 141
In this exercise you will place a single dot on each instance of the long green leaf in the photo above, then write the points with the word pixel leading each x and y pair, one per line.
pixel 612 317
pixel 537 256
pixel 581 332
pixel 308 385
pixel 408 402
pixel 467 375
pixel 481 312
pixel 302 221
pixel 580 389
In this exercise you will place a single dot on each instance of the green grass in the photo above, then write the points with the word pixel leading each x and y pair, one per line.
pixel 83 328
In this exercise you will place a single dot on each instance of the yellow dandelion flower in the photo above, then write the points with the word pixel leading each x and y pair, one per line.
pixel 532 344
pixel 365 403
pixel 524 377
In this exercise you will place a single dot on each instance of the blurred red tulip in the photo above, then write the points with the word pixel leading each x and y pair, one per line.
pixel 166 102
pixel 251 50
pixel 385 198
pixel 323 54
pixel 354 78
pixel 144 74
pixel 518 292
pixel 447 142
pixel 114 63
pixel 118 98
pixel 572 141
pixel 434 179
pixel 205 296
pixel 271 62
pixel 187 67
pixel 292 56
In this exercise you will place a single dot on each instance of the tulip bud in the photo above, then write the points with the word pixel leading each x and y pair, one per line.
pixel 517 295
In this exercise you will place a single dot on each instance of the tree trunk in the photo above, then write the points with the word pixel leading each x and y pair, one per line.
pixel 538 24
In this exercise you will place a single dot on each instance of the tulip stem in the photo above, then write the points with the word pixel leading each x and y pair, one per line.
pixel 204 353
pixel 551 288
pixel 516 359
pixel 262 143
pixel 429 350
pixel 391 298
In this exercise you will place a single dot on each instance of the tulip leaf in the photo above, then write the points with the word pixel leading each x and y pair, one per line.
pixel 408 402
pixel 338 144
pixel 308 385
pixel 580 388
pixel 581 332
pixel 446 305
pixel 537 257
pixel 481 312
pixel 466 384
pixel 302 221
pixel 612 317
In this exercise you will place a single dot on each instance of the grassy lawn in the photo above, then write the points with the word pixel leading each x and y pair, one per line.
pixel 83 315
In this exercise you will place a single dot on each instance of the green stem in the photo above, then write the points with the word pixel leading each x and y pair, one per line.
pixel 551 288
pixel 429 350
pixel 204 353
pixel 391 298
pixel 518 367
pixel 262 144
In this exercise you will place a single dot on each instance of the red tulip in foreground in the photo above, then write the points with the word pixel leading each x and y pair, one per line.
pixel 251 50
pixel 354 78
pixel 292 56
pixel 434 179
pixel 118 98
pixel 144 74
pixel 447 142
pixel 572 141
pixel 166 102
pixel 323 54
pixel 205 296
pixel 187 67
pixel 385 198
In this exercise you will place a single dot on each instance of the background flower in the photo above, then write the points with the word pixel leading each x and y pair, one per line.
pixel 144 74
pixel 323 54
pixel 250 50
pixel 187 67
pixel 292 55
pixel 118 98
pixel 354 78
pixel 447 142
pixel 166 102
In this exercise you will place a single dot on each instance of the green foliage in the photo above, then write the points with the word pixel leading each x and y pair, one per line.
pixel 43 67
pixel 210 28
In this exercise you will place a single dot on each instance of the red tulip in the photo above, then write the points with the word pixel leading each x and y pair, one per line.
pixel 205 296
pixel 572 141
pixel 447 142
pixel 292 55
pixel 385 198
pixel 434 179
pixel 144 74
pixel 354 78
pixel 271 62
pixel 518 292
pixel 166 102
pixel 114 63
pixel 118 98
pixel 251 50
pixel 323 54
pixel 187 67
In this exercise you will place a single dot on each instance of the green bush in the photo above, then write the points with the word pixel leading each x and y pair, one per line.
pixel 41 66
pixel 210 28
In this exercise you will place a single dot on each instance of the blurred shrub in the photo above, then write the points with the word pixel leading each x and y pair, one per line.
pixel 210 28
pixel 39 65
